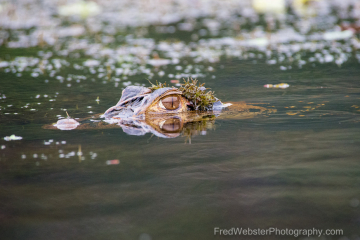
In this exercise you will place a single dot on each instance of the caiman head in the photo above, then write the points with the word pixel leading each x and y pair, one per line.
pixel 139 102
pixel 136 102
pixel 163 111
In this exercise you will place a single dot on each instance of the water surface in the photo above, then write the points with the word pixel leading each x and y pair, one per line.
pixel 294 167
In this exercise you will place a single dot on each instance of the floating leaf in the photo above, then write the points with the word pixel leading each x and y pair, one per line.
pixel 12 138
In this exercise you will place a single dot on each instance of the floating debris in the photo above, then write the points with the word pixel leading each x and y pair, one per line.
pixel 280 85
pixel 159 62
pixel 91 63
pixel 266 6
pixel 112 162
pixel 4 64
pixel 67 123
pixel 12 138
pixel 338 35
pixel 81 8
pixel 257 42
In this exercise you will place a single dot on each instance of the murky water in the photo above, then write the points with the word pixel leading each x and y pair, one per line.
pixel 295 166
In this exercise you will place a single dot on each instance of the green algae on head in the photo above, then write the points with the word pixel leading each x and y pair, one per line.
pixel 196 94
pixel 157 86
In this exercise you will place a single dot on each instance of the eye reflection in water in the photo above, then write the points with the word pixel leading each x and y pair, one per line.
pixel 171 125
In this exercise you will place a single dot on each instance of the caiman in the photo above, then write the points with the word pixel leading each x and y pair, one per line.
pixel 165 111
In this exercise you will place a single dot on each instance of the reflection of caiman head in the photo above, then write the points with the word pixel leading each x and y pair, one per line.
pixel 164 112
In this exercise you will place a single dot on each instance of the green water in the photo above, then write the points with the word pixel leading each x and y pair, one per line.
pixel 296 166
pixel 276 170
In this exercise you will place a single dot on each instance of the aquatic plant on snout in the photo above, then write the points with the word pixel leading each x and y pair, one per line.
pixel 156 86
pixel 198 98
pixel 197 95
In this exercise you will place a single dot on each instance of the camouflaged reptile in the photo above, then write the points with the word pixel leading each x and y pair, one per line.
pixel 165 111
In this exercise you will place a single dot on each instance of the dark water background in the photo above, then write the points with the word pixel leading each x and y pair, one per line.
pixel 297 167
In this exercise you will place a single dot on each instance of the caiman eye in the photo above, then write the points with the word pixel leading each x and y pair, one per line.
pixel 170 102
